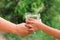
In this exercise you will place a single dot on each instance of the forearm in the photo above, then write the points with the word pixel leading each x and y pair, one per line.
pixel 50 31
pixel 7 26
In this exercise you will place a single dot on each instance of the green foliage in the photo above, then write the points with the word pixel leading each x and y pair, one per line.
pixel 14 11
pixel 50 16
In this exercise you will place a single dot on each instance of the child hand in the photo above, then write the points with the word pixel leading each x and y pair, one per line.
pixel 35 24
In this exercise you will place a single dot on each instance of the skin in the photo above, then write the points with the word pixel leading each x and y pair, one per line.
pixel 23 30
pixel 18 29
pixel 38 25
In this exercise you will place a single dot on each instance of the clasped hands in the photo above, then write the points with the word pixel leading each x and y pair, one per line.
pixel 24 29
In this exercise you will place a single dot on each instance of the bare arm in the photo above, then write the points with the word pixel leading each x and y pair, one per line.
pixel 7 26
pixel 18 29
pixel 38 25
pixel 49 30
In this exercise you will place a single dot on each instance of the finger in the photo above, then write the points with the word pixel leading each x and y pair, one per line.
pixel 30 22
pixel 29 26
pixel 31 30
pixel 30 19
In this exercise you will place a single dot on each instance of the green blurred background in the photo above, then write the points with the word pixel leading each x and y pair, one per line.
pixel 14 11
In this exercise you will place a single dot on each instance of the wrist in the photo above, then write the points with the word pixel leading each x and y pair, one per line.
pixel 40 26
pixel 14 31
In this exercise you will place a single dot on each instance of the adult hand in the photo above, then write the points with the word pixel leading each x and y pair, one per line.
pixel 22 30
